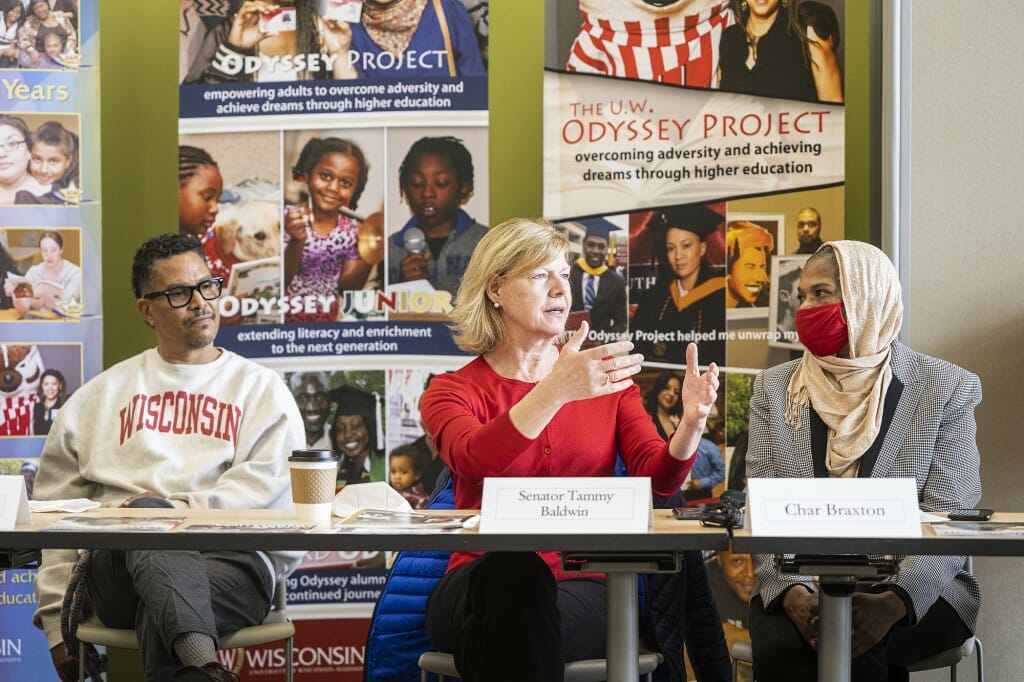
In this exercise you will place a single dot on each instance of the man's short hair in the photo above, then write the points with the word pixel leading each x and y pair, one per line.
pixel 158 248
pixel 296 380
pixel 813 210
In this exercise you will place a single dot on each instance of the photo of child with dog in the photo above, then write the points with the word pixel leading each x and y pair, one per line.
pixel 331 246
pixel 35 380
pixel 228 200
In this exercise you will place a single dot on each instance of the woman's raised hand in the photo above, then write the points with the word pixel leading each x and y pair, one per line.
pixel 699 390
pixel 245 28
pixel 336 36
pixel 336 39
pixel 581 374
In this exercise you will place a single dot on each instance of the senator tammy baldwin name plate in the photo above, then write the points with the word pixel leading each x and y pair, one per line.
pixel 833 507
pixel 613 504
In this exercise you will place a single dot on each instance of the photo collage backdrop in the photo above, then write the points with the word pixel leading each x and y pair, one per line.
pixel 335 167
pixel 707 170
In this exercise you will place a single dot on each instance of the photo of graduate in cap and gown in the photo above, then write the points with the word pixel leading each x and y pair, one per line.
pixel 597 288
pixel 687 301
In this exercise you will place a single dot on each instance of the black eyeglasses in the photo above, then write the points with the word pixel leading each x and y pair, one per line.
pixel 181 296
pixel 11 146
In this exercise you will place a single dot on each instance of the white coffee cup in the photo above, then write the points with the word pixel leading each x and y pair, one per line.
pixel 313 474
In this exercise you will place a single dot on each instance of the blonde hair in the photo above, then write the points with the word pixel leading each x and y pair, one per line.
pixel 507 250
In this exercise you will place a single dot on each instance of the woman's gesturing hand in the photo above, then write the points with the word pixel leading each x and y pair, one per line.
pixel 699 390
pixel 698 395
pixel 580 374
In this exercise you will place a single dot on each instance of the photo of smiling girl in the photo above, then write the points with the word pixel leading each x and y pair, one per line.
pixel 322 229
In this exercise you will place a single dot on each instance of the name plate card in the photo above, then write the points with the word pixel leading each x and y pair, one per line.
pixel 13 502
pixel 833 507
pixel 612 504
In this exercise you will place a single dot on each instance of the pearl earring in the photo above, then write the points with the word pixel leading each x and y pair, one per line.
pixel 497 305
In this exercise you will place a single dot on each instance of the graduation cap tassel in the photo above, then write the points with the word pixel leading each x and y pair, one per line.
pixel 379 421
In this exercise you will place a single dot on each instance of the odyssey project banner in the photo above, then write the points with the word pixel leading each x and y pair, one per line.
pixel 695 155
pixel 337 175
pixel 665 120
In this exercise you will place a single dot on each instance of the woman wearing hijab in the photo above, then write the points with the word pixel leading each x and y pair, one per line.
pixel 861 404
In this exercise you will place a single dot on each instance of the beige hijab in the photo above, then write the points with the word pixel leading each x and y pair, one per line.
pixel 849 393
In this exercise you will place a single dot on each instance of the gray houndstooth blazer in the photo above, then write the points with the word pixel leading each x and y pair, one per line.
pixel 931 438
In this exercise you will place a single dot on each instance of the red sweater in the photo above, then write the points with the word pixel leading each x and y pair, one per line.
pixel 467 413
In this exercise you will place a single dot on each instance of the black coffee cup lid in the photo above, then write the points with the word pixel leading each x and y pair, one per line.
pixel 312 456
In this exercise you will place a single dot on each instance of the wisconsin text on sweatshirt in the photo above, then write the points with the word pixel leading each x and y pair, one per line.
pixel 180 412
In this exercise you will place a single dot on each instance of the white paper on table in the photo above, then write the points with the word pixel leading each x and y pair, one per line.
pixel 932 518
pixel 74 506
pixel 379 495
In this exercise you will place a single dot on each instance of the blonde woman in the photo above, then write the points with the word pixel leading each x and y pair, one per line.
pixel 527 407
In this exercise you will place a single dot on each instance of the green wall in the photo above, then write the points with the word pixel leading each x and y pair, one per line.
pixel 139 102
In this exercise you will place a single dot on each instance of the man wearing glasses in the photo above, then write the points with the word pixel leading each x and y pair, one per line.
pixel 183 425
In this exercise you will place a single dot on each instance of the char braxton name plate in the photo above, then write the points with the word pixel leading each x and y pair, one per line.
pixel 833 507
pixel 615 504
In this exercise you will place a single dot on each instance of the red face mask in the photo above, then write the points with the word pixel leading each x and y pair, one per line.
pixel 823 329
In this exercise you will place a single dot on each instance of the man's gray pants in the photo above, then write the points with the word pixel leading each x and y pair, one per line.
pixel 163 594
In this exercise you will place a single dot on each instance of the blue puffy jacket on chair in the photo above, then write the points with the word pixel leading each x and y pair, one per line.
pixel 680 609
pixel 398 632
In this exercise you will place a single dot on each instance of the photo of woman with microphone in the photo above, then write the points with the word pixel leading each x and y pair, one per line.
pixel 432 249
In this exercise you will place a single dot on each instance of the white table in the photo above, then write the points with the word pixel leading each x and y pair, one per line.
pixel 621 556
